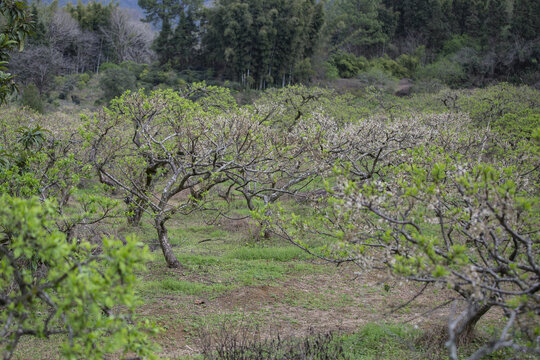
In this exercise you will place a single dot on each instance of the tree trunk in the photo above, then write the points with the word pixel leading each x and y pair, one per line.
pixel 166 247
pixel 465 329
pixel 134 218
pixel 135 210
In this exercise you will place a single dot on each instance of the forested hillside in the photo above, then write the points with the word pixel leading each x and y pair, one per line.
pixel 252 44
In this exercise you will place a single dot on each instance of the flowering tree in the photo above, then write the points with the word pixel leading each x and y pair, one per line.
pixel 155 147
pixel 449 214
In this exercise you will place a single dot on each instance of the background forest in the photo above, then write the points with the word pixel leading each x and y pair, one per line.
pixel 253 44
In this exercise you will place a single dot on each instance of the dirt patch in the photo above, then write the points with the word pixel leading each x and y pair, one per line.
pixel 404 87
pixel 238 224
pixel 336 300
pixel 249 298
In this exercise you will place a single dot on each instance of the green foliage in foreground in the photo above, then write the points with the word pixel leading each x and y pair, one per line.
pixel 52 286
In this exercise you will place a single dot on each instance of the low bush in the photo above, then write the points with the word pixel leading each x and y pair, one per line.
pixel 449 72
pixel 32 98
pixel 348 65
pixel 115 81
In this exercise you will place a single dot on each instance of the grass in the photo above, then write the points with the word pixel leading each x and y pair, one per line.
pixel 282 254
pixel 229 277
pixel 179 287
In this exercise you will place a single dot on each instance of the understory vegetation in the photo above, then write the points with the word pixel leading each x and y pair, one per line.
pixel 145 214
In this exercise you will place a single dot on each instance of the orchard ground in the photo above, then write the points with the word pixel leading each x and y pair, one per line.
pixel 234 282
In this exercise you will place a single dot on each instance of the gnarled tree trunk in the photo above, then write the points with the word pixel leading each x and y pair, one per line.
pixel 166 247
pixel 465 328
pixel 461 329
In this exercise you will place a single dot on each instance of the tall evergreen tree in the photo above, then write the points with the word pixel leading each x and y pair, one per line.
pixel 39 35
pixel 361 27
pixel 177 38
pixel 496 19
pixel 260 42
pixel 92 16
pixel 525 19
pixel 163 45
pixel 474 17
pixel 183 41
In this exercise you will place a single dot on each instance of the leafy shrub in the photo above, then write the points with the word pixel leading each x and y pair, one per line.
pixel 349 65
pixel 32 98
pixel 65 84
pixel 83 80
pixel 408 62
pixel 153 76
pixel 330 71
pixel 456 43
pixel 106 66
pixel 115 81
pixel 449 72
pixel 52 286
pixel 390 66
pixel 134 68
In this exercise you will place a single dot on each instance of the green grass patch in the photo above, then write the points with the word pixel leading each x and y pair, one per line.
pixel 184 287
pixel 282 254
pixel 248 273
pixel 381 341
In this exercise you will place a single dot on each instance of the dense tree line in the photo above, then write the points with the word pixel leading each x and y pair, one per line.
pixel 263 42
pixel 364 27
pixel 487 37
pixel 259 44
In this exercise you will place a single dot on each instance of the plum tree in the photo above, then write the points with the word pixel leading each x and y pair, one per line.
pixel 154 147
pixel 447 212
